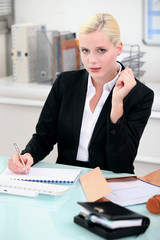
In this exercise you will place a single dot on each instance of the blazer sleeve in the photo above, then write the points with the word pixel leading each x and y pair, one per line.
pixel 123 137
pixel 45 137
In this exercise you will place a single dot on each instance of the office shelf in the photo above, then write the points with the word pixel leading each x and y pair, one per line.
pixel 130 57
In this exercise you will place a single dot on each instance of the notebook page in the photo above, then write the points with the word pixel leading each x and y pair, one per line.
pixel 46 175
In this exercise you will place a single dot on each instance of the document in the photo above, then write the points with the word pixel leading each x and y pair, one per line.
pixel 130 191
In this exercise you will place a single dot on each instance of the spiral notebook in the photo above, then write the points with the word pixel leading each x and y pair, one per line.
pixel 54 175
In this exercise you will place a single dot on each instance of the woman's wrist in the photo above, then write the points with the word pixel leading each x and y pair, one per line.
pixel 116 111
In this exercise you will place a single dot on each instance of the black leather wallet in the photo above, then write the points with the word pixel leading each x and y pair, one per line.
pixel 113 212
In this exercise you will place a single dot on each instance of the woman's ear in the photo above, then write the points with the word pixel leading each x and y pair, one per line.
pixel 119 47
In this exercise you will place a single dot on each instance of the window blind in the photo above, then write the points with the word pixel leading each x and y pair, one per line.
pixel 5 7
pixel 6 15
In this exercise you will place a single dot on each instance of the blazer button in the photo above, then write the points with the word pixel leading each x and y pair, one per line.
pixel 91 151
pixel 113 131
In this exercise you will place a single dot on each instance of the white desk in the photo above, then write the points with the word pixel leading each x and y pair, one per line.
pixel 51 218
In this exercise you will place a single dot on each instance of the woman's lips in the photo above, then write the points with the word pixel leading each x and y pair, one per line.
pixel 95 69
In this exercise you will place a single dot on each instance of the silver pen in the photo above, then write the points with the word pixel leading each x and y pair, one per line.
pixel 18 152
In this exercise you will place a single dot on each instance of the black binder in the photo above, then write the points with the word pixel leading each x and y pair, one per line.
pixel 113 212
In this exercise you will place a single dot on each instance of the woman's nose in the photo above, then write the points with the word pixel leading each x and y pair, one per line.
pixel 92 58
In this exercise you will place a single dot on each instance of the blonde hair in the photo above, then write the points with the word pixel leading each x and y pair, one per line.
pixel 103 22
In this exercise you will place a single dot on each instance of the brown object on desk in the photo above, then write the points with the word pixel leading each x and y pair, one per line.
pixel 153 178
pixel 153 204
pixel 94 185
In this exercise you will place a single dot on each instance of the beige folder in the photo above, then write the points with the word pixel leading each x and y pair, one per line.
pixel 94 185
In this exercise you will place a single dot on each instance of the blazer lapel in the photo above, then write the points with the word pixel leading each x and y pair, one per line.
pixel 79 102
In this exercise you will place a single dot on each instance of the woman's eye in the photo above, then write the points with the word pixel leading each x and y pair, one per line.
pixel 85 51
pixel 101 50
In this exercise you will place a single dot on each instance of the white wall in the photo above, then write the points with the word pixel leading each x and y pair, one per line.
pixel 69 14
pixel 2 55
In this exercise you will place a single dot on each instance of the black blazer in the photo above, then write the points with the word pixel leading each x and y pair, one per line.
pixel 112 146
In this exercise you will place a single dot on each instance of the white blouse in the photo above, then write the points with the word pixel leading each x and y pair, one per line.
pixel 89 119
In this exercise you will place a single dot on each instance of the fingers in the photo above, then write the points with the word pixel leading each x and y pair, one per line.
pixel 28 160
pixel 15 164
pixel 126 81
pixel 124 84
pixel 127 77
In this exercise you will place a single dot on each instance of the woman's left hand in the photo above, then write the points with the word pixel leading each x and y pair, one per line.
pixel 124 84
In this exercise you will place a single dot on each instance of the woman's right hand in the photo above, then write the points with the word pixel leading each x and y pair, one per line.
pixel 15 164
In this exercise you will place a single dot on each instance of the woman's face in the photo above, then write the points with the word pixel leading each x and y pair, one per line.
pixel 98 55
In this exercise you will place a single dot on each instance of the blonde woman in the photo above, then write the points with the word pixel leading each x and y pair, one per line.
pixel 95 115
